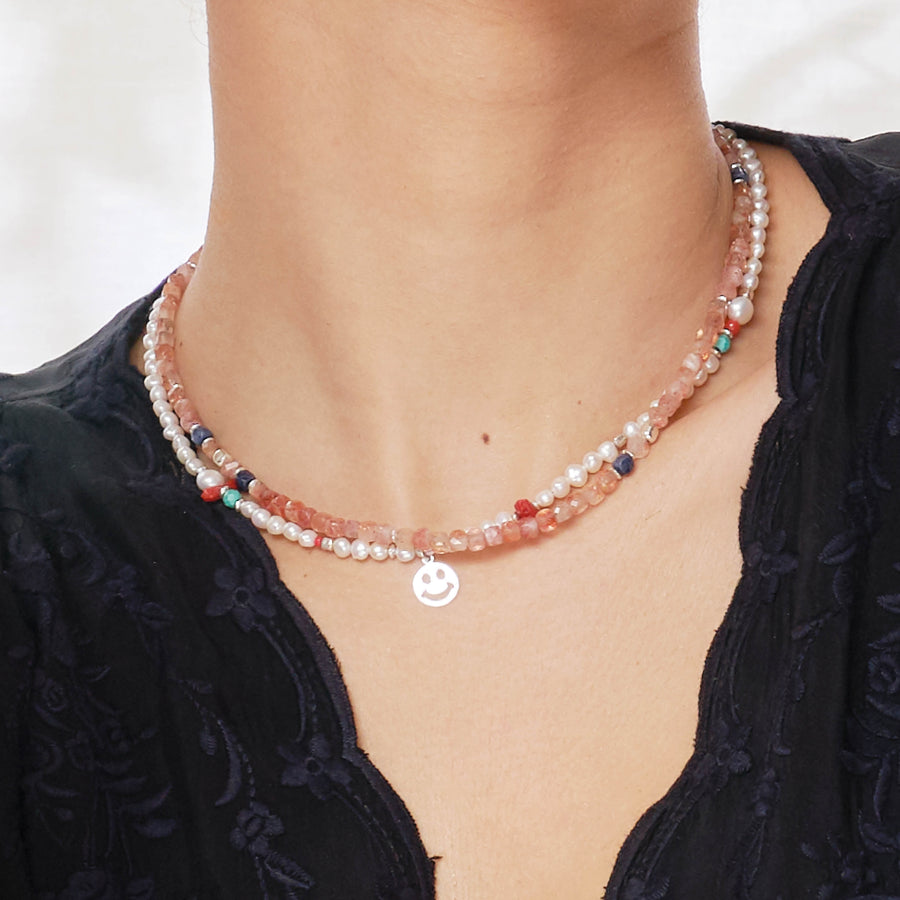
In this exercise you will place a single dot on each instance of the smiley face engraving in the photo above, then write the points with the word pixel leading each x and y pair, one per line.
pixel 435 584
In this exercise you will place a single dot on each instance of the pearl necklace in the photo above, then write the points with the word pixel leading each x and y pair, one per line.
pixel 583 485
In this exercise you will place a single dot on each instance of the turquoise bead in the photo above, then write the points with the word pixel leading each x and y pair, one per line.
pixel 231 497
pixel 723 343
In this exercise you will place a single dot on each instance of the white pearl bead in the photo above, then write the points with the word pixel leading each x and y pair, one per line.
pixel 750 282
pixel 560 487
pixel 544 499
pixel 754 266
pixel 151 368
pixel 643 421
pixel 502 517
pixel 158 392
pixel 248 507
pixel 170 432
pixel 631 430
pixel 275 525
pixel 738 144
pixel 608 451
pixel 712 363
pixel 759 219
pixel 758 192
pixel 741 310
pixel 183 454
pixel 406 556
pixel 308 538
pixel 378 552
pixel 592 461
pixel 757 251
pixel 260 517
pixel 147 341
pixel 701 377
pixel 157 303
pixel 193 466
pixel 161 407
pixel 152 381
pixel 757 177
pixel 576 475
pixel 758 235
pixel 359 550
pixel 179 442
pixel 209 478
pixel 341 547
pixel 761 205
pixel 292 531
pixel 168 419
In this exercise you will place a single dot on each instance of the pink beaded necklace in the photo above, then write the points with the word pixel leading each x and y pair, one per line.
pixel 583 485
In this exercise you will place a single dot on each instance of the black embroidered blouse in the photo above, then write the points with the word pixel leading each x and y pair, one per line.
pixel 175 726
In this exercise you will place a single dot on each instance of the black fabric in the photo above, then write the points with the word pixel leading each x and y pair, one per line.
pixel 174 725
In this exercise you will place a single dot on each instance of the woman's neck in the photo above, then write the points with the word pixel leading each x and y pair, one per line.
pixel 462 218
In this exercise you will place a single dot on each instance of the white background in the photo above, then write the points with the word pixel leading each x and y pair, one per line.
pixel 105 136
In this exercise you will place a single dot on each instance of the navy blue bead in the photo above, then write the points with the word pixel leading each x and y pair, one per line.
pixel 739 173
pixel 243 479
pixel 624 464
pixel 199 434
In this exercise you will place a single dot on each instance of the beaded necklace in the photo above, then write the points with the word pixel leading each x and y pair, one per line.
pixel 586 484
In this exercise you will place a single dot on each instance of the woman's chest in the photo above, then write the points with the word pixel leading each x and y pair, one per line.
pixel 528 725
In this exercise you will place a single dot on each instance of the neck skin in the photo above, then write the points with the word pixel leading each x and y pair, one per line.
pixel 436 222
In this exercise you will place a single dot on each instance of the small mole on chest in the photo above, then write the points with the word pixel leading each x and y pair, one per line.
pixel 485 438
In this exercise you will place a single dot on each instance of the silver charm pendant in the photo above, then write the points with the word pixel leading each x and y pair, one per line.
pixel 435 583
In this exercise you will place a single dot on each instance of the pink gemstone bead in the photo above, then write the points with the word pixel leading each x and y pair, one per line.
pixel 230 468
pixel 351 530
pixel 658 418
pixel 440 542
pixel 404 539
pixel 607 480
pixel 305 516
pixel 578 503
pixel 562 512
pixel 367 531
pixel 476 539
pixel 292 510
pixel 320 522
pixel 638 446
pixel 529 528
pixel 335 527
pixel 259 491
pixel 510 532
pixel 546 521
pixel 593 494
pixel 277 504
pixel 458 541
pixel 493 536
pixel 669 402
pixel 422 540
pixel 732 278
pixel 384 534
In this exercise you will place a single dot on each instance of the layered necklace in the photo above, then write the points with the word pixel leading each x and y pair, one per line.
pixel 221 478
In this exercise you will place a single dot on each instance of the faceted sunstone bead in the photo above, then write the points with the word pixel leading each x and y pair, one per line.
pixel 475 539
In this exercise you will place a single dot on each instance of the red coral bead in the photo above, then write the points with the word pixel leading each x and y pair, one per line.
pixel 525 509
pixel 732 327
pixel 212 494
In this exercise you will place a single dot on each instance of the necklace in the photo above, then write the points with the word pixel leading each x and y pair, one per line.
pixel 583 485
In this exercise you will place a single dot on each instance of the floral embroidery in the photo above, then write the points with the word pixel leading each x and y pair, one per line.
pixel 242 595
pixel 314 766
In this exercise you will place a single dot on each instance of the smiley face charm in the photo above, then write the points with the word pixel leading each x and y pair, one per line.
pixel 435 583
